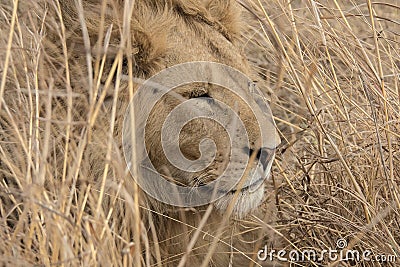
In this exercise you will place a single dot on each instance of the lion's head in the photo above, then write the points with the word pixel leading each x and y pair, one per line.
pixel 164 34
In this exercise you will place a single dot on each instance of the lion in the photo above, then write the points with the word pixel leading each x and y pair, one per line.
pixel 91 57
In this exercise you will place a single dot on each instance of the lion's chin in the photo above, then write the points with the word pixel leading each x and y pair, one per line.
pixel 247 201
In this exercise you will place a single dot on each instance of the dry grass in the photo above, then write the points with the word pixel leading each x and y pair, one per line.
pixel 334 72
pixel 332 69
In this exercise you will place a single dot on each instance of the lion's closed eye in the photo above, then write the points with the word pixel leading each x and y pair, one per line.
pixel 202 94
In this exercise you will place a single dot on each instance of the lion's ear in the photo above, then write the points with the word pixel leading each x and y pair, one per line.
pixel 149 30
pixel 149 46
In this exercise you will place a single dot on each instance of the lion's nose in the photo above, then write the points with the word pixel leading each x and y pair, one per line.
pixel 264 155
